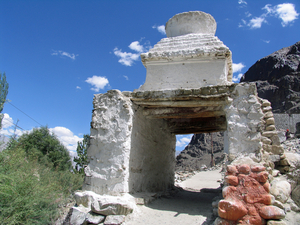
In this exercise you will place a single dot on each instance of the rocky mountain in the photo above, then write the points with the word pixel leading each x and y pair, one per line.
pixel 197 154
pixel 277 77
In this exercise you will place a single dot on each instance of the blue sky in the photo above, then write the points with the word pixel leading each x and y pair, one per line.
pixel 58 54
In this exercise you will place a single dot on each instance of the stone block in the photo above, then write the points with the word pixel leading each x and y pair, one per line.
pixel 106 208
pixel 274 158
pixel 277 149
pixel 270 128
pixel 232 170
pixel 281 189
pixel 265 103
pixel 78 215
pixel 271 212
pixel 296 195
pixel 262 177
pixel 270 121
pixel 231 210
pixel 268 115
pixel 114 220
pixel 244 169
pixel 255 168
pixel 269 134
pixel 275 140
pixel 276 222
pixel 267 148
pixel 94 218
pixel 232 180
pixel 266 140
pixel 267 109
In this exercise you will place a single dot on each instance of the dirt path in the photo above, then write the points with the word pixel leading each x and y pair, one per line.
pixel 189 206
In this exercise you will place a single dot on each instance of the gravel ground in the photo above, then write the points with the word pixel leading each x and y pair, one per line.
pixel 191 205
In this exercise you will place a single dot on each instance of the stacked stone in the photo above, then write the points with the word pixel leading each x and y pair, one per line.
pixel 273 152
pixel 96 209
pixel 246 198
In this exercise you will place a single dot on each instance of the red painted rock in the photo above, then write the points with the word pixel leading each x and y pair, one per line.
pixel 253 220
pixel 232 180
pixel 262 177
pixel 267 186
pixel 254 197
pixel 232 169
pixel 258 168
pixel 271 212
pixel 231 210
pixel 244 169
pixel 228 191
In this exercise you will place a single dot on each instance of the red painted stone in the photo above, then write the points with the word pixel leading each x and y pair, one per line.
pixel 231 210
pixel 228 191
pixel 258 168
pixel 267 186
pixel 253 197
pixel 247 200
pixel 271 212
pixel 244 169
pixel 232 169
pixel 262 177
pixel 232 180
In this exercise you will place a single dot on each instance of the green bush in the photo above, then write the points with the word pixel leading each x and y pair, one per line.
pixel 30 191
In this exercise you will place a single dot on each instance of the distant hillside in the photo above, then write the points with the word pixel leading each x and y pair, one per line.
pixel 277 78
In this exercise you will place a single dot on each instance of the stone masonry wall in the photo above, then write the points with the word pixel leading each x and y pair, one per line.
pixel 108 154
pixel 244 122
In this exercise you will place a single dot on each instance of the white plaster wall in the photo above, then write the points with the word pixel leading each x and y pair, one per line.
pixel 152 156
pixel 186 74
pixel 244 121
pixel 128 153
pixel 111 127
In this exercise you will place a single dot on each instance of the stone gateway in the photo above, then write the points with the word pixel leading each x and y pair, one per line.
pixel 188 89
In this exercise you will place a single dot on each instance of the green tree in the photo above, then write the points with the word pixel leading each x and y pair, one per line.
pixel 82 159
pixel 40 144
pixel 3 93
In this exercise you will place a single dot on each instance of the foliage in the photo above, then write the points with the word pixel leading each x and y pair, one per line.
pixel 31 191
pixel 82 158
pixel 3 93
pixel 40 145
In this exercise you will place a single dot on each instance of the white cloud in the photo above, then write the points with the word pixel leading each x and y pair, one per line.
pixel 256 22
pixel 7 121
pixel 64 54
pixel 136 46
pixel 66 137
pixel 266 41
pixel 242 2
pixel 183 140
pixel 98 82
pixel 8 127
pixel 77 87
pixel 161 29
pixel 237 78
pixel 126 77
pixel 128 58
pixel 286 12
pixel 237 67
